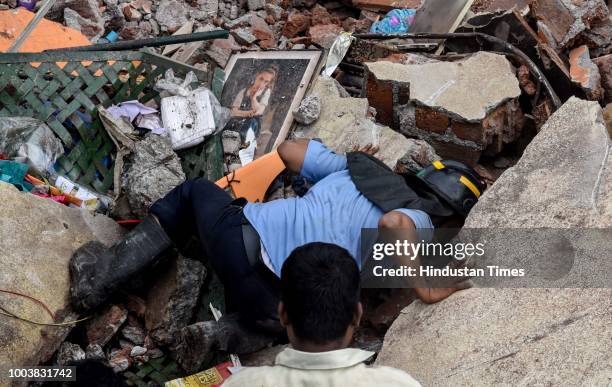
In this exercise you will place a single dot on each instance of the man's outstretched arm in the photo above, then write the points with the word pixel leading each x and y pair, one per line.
pixel 397 225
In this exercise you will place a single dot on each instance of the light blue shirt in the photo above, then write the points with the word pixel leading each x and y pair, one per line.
pixel 332 211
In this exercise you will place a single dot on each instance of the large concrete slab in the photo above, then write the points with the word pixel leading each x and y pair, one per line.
pixel 344 122
pixel 467 89
pixel 37 239
pixel 525 336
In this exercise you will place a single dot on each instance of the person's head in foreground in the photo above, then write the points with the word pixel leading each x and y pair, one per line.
pixel 320 309
pixel 320 304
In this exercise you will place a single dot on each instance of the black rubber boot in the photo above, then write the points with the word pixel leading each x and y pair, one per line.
pixel 96 271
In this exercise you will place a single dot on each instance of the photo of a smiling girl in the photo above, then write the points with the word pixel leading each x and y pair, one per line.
pixel 250 104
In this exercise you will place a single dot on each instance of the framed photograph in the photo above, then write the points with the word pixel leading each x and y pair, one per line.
pixel 262 89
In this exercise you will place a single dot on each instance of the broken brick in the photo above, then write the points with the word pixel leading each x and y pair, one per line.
pixel 296 22
pixel 604 63
pixel 450 150
pixel 324 34
pixel 525 81
pixel 467 131
pixel 320 15
pixel 585 73
pixel 431 120
pixel 358 26
pixel 104 326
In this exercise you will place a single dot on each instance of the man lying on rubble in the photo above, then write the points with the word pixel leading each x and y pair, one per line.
pixel 320 309
pixel 247 243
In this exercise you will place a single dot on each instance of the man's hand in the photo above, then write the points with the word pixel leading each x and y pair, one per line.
pixel 368 148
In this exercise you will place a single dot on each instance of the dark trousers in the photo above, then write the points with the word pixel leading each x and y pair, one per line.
pixel 198 207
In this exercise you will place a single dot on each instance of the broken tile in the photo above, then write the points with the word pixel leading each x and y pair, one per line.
pixel 585 73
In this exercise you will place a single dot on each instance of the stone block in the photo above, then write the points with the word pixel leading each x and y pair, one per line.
pixel 37 240
pixel 172 299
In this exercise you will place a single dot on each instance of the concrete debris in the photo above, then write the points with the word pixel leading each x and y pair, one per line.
pixel 344 123
pixel 94 352
pixel 35 256
pixel 244 36
pixel 197 343
pixel 308 111
pixel 120 360
pixel 172 299
pixel 569 22
pixel 85 26
pixel 254 5
pixel 138 351
pixel 171 15
pixel 155 169
pixel 585 73
pixel 220 50
pixel 69 353
pixel 103 327
pixel 134 334
pixel 231 142
pixel 87 9
pixel 419 154
pixel 557 336
pixel 437 110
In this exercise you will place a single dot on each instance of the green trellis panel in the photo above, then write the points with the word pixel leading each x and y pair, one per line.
pixel 64 89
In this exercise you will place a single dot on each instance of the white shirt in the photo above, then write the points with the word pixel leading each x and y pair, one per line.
pixel 341 368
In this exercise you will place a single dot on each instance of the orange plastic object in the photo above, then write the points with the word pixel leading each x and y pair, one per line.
pixel 252 181
pixel 46 35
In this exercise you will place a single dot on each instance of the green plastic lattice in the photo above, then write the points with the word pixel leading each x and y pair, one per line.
pixel 63 90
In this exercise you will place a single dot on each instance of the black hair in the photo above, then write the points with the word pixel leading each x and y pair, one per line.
pixel 320 291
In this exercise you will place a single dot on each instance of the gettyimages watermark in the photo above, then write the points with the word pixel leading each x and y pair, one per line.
pixel 498 258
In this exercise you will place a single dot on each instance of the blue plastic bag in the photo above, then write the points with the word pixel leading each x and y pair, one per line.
pixel 397 21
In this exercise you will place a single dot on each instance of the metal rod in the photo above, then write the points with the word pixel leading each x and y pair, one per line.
pixel 151 42
pixel 475 35
pixel 42 11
